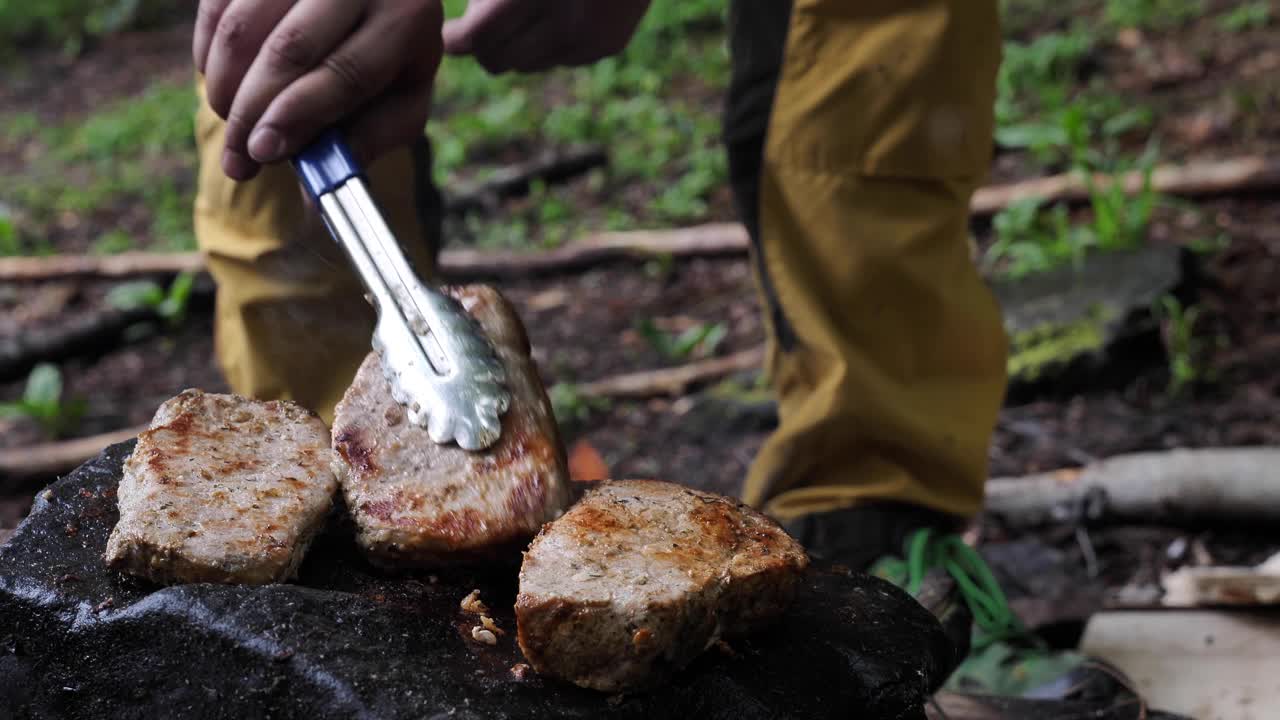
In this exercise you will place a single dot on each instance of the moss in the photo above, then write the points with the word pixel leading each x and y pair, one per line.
pixel 1035 350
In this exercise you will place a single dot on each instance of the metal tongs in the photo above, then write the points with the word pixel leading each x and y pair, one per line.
pixel 437 358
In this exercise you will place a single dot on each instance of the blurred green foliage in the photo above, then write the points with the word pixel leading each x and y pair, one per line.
pixel 42 401
pixel 69 23
pixel 135 152
pixel 655 106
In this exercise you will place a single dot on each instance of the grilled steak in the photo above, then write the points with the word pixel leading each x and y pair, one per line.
pixel 417 503
pixel 222 488
pixel 640 576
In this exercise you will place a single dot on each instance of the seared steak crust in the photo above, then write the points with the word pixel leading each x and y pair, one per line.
pixel 640 576
pixel 222 488
pixel 420 504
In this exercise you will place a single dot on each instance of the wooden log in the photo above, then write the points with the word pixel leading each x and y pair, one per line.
pixel 514 180
pixel 710 240
pixel 673 381
pixel 20 466
pixel 1195 179
pixel 1203 486
pixel 80 335
pixel 123 265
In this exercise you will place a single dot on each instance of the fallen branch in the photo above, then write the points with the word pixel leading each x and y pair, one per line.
pixel 1225 485
pixel 715 239
pixel 1223 585
pixel 41 462
pixel 1210 178
pixel 81 335
pixel 129 264
pixel 672 382
pixel 516 180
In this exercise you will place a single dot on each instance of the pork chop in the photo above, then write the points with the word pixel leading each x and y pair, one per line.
pixel 222 488
pixel 640 576
pixel 417 503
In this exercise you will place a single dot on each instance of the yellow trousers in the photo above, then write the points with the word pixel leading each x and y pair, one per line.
pixel 857 132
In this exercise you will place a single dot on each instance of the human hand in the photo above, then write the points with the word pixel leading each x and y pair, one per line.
pixel 534 35
pixel 281 71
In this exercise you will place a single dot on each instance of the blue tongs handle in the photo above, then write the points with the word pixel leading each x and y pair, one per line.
pixel 326 163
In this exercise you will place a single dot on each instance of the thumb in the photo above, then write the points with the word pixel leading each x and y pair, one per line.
pixel 458 36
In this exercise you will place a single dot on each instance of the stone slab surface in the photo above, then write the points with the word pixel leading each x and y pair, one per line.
pixel 347 641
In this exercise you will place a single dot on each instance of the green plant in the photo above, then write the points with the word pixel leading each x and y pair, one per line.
pixel 171 305
pixel 1086 128
pixel 1152 14
pixel 9 244
pixel 1185 348
pixel 42 401
pixel 654 105
pixel 112 242
pixel 1029 240
pixel 1040 73
pixel 704 337
pixel 69 23
pixel 137 151
pixel 1120 221
pixel 1247 16
pixel 571 406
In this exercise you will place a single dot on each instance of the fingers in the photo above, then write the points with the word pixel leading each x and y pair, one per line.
pixel 395 120
pixel 304 36
pixel 535 47
pixel 241 29
pixel 207 16
pixel 361 67
pixel 487 25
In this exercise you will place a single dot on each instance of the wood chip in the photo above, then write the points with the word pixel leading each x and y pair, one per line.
pixel 472 603
pixel 488 624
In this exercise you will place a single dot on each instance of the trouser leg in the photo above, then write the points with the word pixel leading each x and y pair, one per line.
pixel 886 349
pixel 291 318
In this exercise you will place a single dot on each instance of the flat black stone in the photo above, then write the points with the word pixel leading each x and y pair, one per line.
pixel 346 641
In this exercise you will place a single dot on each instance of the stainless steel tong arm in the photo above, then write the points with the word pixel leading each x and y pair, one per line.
pixel 437 359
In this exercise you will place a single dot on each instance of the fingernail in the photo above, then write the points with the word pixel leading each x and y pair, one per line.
pixel 266 145
pixel 237 166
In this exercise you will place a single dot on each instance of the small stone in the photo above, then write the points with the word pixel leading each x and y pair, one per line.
pixel 479 634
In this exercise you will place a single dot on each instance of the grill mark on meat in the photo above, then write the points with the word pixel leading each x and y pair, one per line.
pixel 383 510
pixel 349 443
pixel 455 526
pixel 591 521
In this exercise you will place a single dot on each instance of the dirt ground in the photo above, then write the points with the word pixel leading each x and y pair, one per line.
pixel 583 326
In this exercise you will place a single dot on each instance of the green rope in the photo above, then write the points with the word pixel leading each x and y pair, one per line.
pixel 992 615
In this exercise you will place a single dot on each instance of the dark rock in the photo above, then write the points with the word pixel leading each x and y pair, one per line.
pixel 1089 328
pixel 347 641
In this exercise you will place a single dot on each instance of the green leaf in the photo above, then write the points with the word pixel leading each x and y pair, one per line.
pixel 134 295
pixel 44 387
pixel 1001 669
pixel 656 338
pixel 174 307
pixel 14 410
pixel 686 341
